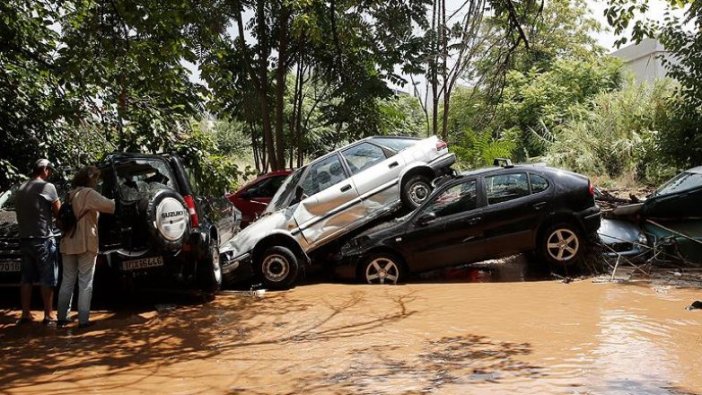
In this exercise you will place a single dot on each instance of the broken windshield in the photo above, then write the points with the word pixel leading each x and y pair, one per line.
pixel 682 182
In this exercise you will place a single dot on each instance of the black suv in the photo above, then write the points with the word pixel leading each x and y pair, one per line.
pixel 162 229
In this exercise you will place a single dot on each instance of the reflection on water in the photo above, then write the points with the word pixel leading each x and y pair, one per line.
pixel 432 336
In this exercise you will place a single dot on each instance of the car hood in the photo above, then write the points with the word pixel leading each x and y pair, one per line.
pixel 613 231
pixel 375 235
pixel 246 239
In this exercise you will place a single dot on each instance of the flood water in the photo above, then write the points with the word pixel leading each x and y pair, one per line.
pixel 460 331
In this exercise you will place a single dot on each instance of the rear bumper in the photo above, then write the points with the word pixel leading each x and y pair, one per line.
pixel 590 219
pixel 442 164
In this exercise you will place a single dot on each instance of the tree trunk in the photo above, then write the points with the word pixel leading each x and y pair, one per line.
pixel 281 73
pixel 264 86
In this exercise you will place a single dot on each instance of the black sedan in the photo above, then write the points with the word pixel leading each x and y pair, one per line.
pixel 479 215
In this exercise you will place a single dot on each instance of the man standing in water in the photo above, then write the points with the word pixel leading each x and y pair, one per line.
pixel 36 201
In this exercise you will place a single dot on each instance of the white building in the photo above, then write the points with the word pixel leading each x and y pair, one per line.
pixel 644 59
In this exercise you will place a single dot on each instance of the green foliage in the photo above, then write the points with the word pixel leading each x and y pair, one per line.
pixel 479 149
pixel 617 134
pixel 401 115
pixel 537 102
pixel 682 37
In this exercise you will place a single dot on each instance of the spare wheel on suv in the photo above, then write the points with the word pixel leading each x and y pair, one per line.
pixel 167 219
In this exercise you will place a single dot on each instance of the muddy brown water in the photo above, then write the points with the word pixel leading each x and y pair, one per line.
pixel 471 330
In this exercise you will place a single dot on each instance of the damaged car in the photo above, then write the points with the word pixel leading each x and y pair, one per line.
pixel 334 195
pixel 489 213
pixel 163 229
pixel 666 227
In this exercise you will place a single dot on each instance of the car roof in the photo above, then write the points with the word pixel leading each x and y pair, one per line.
pixel 132 155
pixel 494 169
pixel 696 170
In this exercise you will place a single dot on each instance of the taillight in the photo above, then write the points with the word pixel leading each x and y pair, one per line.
pixel 190 204
pixel 590 188
pixel 440 144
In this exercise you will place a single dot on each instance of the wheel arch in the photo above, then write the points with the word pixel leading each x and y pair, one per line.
pixel 418 169
pixel 380 250
pixel 561 217
pixel 282 240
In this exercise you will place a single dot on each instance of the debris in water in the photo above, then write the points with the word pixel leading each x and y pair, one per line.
pixel 696 305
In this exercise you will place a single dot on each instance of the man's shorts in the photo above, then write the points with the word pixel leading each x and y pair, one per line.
pixel 39 262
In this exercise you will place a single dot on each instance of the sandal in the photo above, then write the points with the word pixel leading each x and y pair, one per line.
pixel 49 322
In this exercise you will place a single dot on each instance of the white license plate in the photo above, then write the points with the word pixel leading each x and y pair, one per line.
pixel 142 263
pixel 10 266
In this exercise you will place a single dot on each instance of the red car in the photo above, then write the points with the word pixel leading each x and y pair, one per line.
pixel 254 196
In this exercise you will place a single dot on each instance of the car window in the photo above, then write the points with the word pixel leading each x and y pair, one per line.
pixel 681 182
pixel 137 177
pixel 285 191
pixel 322 175
pixel 395 144
pixel 456 199
pixel 266 188
pixel 505 187
pixel 538 183
pixel 363 156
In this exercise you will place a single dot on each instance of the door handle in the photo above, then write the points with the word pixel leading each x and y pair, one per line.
pixel 345 188
pixel 539 206
pixel 393 164
pixel 474 220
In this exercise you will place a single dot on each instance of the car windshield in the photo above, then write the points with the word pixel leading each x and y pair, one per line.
pixel 286 190
pixel 681 182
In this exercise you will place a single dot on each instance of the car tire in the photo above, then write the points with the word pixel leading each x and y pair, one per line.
pixel 167 219
pixel 415 191
pixel 277 268
pixel 562 245
pixel 210 269
pixel 382 268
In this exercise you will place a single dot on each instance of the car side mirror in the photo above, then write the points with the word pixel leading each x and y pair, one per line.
pixel 425 219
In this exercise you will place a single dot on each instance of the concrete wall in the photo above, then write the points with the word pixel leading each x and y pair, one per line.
pixel 643 59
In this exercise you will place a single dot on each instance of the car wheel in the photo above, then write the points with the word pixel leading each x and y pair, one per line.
pixel 415 191
pixel 167 219
pixel 382 268
pixel 210 269
pixel 277 268
pixel 562 245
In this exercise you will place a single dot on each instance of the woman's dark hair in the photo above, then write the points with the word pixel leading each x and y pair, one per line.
pixel 85 176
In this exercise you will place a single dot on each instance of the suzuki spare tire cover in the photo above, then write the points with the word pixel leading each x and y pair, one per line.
pixel 167 219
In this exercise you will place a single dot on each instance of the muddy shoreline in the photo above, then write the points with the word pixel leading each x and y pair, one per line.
pixel 462 336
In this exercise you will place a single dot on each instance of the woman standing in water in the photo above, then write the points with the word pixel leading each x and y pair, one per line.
pixel 79 248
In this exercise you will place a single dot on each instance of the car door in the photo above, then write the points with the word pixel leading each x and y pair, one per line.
pixel 330 205
pixel 513 213
pixel 448 230
pixel 374 173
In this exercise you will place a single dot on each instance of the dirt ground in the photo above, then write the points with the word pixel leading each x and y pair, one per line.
pixel 484 330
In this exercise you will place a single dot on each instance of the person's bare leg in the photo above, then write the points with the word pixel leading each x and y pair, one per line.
pixel 47 296
pixel 26 300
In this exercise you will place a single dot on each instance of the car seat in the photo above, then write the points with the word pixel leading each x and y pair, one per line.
pixel 323 180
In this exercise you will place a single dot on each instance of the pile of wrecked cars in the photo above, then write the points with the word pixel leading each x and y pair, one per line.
pixel 664 229
pixel 384 207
